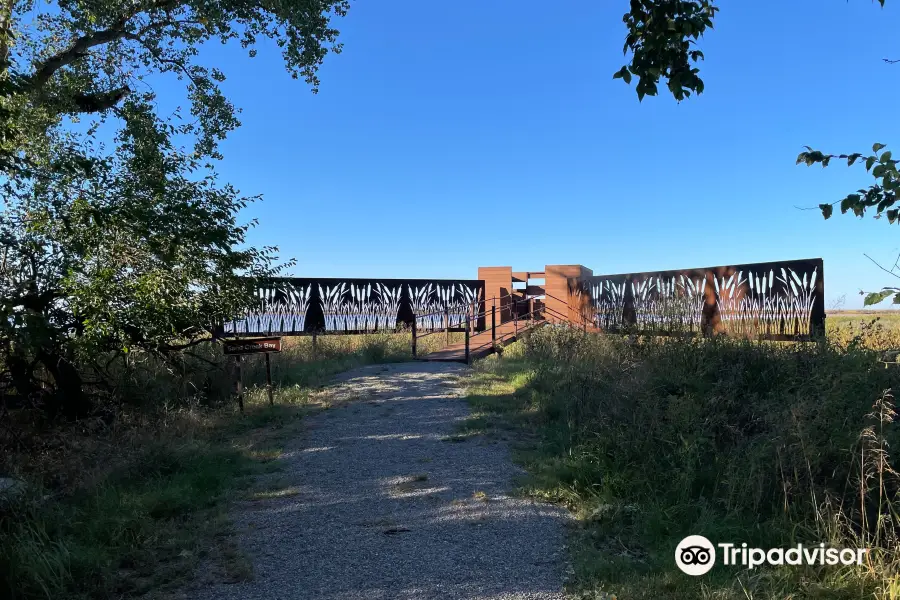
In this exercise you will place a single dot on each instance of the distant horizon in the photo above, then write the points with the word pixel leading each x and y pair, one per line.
pixel 868 309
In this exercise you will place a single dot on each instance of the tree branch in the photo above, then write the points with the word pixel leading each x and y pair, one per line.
pixel 169 61
pixel 36 301
pixel 101 101
pixel 168 348
pixel 203 359
pixel 81 45
pixel 6 9
pixel 875 262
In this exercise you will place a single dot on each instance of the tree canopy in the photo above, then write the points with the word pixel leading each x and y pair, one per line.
pixel 116 232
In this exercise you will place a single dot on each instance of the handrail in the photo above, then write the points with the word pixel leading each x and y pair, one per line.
pixel 468 318
pixel 501 336
pixel 472 316
pixel 584 318
pixel 493 298
pixel 441 312
pixel 444 329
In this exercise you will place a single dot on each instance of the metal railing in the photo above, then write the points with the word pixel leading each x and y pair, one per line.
pixel 471 318
pixel 498 335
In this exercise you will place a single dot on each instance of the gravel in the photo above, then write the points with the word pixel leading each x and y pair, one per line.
pixel 388 504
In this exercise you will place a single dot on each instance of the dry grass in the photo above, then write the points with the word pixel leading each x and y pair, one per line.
pixel 876 330
pixel 648 441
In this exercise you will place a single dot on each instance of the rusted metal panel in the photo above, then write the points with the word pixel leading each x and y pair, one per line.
pixel 775 300
pixel 297 306
pixel 558 289
pixel 498 292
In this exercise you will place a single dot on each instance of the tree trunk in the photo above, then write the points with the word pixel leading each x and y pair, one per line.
pixel 22 379
pixel 69 398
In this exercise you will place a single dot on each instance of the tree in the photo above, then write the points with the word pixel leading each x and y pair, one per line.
pixel 881 195
pixel 661 41
pixel 115 231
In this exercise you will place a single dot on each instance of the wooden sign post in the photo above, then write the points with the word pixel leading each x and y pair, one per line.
pixel 238 348
pixel 239 384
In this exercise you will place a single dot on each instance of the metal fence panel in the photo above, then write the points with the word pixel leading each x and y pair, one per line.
pixel 776 300
pixel 294 306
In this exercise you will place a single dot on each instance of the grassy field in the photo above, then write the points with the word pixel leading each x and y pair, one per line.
pixel 131 503
pixel 875 330
pixel 648 441
pixel 644 441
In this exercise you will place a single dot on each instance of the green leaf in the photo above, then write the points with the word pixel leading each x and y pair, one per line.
pixel 876 297
pixel 877 147
pixel 869 162
pixel 827 209
pixel 885 157
pixel 623 74
pixel 849 202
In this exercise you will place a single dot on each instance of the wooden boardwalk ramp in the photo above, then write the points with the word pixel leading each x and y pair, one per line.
pixel 481 344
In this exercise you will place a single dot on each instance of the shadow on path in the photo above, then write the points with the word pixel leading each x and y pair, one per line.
pixel 383 505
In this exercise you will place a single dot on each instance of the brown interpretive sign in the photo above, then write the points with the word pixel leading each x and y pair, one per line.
pixel 252 345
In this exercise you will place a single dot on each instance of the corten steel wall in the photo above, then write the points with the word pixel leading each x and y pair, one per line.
pixel 777 300
pixel 294 306
pixel 497 290
pixel 559 300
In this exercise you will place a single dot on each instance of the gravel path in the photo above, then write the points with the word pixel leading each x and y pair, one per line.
pixel 388 507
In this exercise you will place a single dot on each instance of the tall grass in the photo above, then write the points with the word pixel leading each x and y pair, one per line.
pixel 203 376
pixel 132 501
pixel 650 440
pixel 134 531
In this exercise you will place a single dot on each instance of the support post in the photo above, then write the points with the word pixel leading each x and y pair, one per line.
pixel 467 338
pixel 414 337
pixel 239 384
pixel 269 379
pixel 516 318
pixel 447 323
pixel 494 323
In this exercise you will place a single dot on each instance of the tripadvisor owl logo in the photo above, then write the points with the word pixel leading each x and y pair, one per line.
pixel 696 555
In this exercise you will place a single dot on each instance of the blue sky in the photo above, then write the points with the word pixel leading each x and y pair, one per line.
pixel 450 135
